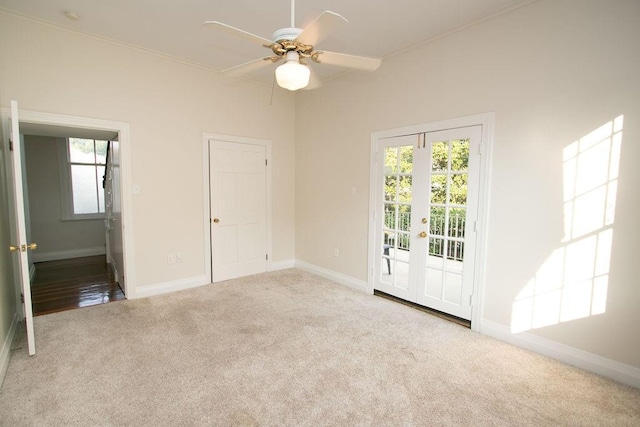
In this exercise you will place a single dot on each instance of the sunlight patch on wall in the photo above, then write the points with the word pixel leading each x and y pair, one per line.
pixel 572 283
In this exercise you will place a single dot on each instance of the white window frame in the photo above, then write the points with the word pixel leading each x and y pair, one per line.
pixel 66 189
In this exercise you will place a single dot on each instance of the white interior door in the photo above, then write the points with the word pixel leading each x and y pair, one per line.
pixel 428 198
pixel 238 198
pixel 21 246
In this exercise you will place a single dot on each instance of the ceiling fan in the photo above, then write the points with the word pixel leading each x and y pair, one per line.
pixel 297 46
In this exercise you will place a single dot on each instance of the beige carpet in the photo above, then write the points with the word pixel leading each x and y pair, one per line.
pixel 290 348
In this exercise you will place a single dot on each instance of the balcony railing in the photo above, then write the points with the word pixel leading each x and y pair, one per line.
pixel 400 231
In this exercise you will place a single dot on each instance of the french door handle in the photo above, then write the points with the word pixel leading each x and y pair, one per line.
pixel 422 234
pixel 14 248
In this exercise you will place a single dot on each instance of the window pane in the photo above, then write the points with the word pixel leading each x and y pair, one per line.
pixel 81 151
pixel 83 183
pixel 101 152
pixel 101 172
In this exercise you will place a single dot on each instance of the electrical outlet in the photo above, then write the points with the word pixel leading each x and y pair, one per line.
pixel 336 252
pixel 171 259
pixel 179 258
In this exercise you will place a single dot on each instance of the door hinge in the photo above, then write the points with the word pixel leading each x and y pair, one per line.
pixel 470 299
pixel 10 145
pixel 267 257
pixel 266 162
pixel 21 297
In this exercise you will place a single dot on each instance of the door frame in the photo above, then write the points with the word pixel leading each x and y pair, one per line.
pixel 485 120
pixel 122 128
pixel 206 187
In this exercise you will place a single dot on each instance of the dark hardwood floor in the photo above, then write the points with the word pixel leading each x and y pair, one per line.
pixel 73 283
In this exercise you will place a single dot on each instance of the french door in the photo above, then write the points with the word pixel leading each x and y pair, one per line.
pixel 425 217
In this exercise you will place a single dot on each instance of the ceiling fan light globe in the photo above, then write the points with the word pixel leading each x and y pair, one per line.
pixel 293 75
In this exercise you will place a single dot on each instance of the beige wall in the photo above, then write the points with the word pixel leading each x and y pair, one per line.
pixel 168 105
pixel 552 72
pixel 47 229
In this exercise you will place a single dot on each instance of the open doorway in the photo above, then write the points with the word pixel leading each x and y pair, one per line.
pixel 70 205
pixel 117 239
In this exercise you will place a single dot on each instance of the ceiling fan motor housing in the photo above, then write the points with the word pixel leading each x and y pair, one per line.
pixel 286 34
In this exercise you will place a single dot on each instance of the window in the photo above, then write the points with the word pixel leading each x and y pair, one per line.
pixel 82 167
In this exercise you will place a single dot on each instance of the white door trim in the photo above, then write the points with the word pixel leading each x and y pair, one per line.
pixel 122 129
pixel 486 121
pixel 206 192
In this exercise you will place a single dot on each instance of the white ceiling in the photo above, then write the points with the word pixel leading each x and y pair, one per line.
pixel 376 27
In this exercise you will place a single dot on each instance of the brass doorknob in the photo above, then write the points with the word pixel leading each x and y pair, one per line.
pixel 423 234
pixel 216 220
pixel 32 246
pixel 14 248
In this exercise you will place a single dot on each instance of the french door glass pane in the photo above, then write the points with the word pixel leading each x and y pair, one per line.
pixel 460 154
pixel 457 222
pixel 438 189
pixel 440 156
pixel 436 221
pixel 390 188
pixel 458 189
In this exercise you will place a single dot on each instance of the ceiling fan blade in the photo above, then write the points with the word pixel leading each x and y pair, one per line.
pixel 314 80
pixel 238 32
pixel 251 66
pixel 320 28
pixel 364 63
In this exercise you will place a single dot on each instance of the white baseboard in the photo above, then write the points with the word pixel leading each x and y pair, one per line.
pixel 72 253
pixel 353 283
pixel 173 286
pixel 5 351
pixel 626 374
pixel 282 265
pixel 113 266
